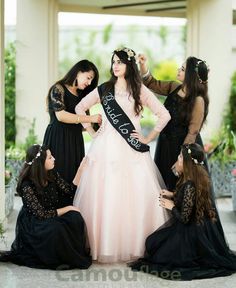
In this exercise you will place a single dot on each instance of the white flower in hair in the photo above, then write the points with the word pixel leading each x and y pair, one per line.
pixel 130 53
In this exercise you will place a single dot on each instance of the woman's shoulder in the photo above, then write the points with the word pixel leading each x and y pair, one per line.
pixel 188 185
pixel 27 183
pixel 58 88
pixel 26 187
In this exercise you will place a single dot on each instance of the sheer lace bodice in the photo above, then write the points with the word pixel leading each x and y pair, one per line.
pixel 43 204
pixel 173 103
pixel 185 203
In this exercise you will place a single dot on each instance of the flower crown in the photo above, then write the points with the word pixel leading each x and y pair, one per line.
pixel 130 53
pixel 37 156
pixel 197 71
pixel 194 159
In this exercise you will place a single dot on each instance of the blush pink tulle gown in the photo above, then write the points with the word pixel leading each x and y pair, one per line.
pixel 119 187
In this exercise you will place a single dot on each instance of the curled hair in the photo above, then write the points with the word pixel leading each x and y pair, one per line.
pixel 132 76
pixel 195 69
pixel 36 171
pixel 197 173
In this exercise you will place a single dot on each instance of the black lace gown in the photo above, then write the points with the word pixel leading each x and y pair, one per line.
pixel 184 250
pixel 171 138
pixel 65 141
pixel 43 239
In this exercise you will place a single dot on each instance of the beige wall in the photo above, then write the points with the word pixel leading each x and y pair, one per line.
pixel 209 38
pixel 36 57
pixel 208 21
pixel 2 115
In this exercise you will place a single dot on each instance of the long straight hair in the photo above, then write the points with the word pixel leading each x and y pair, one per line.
pixel 132 77
pixel 195 84
pixel 69 78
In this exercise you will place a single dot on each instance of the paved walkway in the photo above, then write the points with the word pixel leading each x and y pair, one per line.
pixel 104 276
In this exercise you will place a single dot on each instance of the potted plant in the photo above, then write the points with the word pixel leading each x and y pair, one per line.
pixel 1 231
pixel 234 187
pixel 221 152
pixel 13 164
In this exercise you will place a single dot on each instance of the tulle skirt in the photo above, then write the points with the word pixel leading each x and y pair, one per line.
pixel 118 198
pixel 186 252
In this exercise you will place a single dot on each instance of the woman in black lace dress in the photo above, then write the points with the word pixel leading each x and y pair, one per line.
pixel 63 135
pixel 47 236
pixel 187 102
pixel 190 245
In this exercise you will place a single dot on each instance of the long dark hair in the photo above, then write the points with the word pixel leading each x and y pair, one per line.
pixel 69 78
pixel 195 84
pixel 194 170
pixel 132 76
pixel 34 169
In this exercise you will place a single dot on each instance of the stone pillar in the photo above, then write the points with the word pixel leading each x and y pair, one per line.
pixel 209 38
pixel 36 58
pixel 2 116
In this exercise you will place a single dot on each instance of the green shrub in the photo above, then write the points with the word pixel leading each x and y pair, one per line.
pixel 224 143
pixel 165 70
pixel 1 232
pixel 31 137
pixel 230 114
pixel 10 94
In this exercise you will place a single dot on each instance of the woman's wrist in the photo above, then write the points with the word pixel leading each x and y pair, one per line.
pixel 77 120
pixel 145 73
pixel 151 136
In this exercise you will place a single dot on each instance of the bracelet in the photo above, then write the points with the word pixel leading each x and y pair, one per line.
pixel 78 120
pixel 146 74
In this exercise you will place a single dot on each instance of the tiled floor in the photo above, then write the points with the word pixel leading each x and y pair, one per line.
pixel 104 276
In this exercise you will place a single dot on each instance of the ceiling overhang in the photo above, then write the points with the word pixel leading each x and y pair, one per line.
pixel 161 8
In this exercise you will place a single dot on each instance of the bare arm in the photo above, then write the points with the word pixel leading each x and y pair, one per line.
pixel 67 117
pixel 58 106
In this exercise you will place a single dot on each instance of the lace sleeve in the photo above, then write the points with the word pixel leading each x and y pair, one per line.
pixel 184 213
pixel 196 121
pixel 160 87
pixel 33 205
pixel 57 98
pixel 65 187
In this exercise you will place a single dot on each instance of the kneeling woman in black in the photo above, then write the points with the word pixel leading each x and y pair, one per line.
pixel 190 246
pixel 46 236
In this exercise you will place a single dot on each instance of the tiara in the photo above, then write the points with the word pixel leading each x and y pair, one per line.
pixel 194 159
pixel 130 53
pixel 37 156
pixel 197 71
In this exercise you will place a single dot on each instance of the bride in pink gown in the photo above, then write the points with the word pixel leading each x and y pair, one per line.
pixel 119 183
